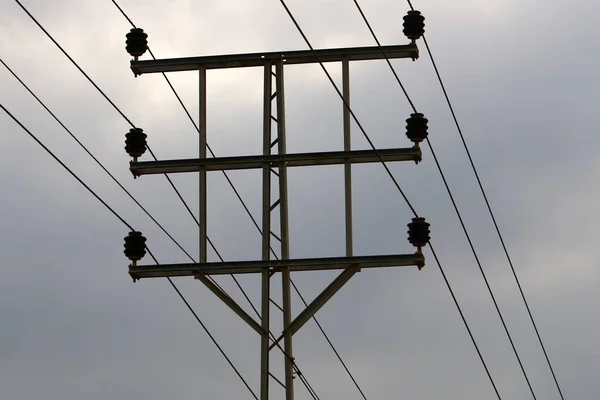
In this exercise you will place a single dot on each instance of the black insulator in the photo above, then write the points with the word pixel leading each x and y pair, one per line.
pixel 418 232
pixel 414 25
pixel 135 142
pixel 135 246
pixel 416 128
pixel 137 42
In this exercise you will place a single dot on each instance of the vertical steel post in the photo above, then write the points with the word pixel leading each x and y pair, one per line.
pixel 284 235
pixel 202 155
pixel 266 236
pixel 348 165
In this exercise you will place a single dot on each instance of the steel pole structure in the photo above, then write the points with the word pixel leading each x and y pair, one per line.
pixel 284 235
pixel 274 162
pixel 266 236
pixel 348 164
pixel 202 172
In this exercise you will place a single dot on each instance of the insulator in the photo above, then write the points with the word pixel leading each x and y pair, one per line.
pixel 414 25
pixel 418 232
pixel 135 142
pixel 135 246
pixel 136 42
pixel 416 128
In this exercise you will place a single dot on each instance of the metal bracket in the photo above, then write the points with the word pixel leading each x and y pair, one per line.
pixel 318 302
pixel 286 57
pixel 253 267
pixel 230 302
pixel 261 161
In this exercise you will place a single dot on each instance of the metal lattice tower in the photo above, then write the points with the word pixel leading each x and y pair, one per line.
pixel 274 162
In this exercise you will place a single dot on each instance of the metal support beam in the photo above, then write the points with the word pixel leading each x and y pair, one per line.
pixel 256 267
pixel 202 171
pixel 348 163
pixel 273 160
pixel 266 238
pixel 321 299
pixel 231 303
pixel 283 221
pixel 281 57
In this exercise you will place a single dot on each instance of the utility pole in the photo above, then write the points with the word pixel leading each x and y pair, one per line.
pixel 274 162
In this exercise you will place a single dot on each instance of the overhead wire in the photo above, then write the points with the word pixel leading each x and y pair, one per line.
pixel 347 106
pixel 130 123
pixel 483 194
pixel 133 126
pixel 103 95
pixel 91 191
pixel 489 208
pixel 454 204
pixel 196 127
pixel 283 3
pixel 249 213
pixel 298 371
pixel 253 219
pixel 95 158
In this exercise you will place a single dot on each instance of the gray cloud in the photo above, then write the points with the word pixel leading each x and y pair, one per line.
pixel 523 83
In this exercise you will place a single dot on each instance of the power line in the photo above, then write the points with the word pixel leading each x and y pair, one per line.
pixel 455 208
pixel 391 176
pixel 74 63
pixel 362 129
pixel 94 157
pixel 103 95
pixel 298 371
pixel 130 123
pixel 337 354
pixel 313 394
pixel 311 391
pixel 482 192
pixel 67 168
pixel 57 159
pixel 196 127
pixel 489 207
pixel 303 378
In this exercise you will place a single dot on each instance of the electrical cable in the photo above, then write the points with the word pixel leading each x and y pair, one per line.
pixel 393 179
pixel 114 179
pixel 57 159
pixel 155 158
pixel 196 127
pixel 95 159
pixel 482 192
pixel 337 354
pixel 103 95
pixel 489 208
pixel 257 227
pixel 132 125
pixel 347 106
pixel 453 204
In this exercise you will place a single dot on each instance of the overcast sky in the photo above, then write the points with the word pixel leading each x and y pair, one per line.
pixel 522 76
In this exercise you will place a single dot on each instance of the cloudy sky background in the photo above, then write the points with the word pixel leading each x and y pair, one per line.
pixel 522 76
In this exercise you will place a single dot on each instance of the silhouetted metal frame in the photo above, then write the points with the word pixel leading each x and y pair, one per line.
pixel 286 291
pixel 140 168
pixel 348 162
pixel 202 171
pixel 284 57
pixel 266 235
pixel 277 164
pixel 256 267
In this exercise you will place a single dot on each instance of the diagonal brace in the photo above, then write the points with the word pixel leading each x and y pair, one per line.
pixel 230 302
pixel 318 302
